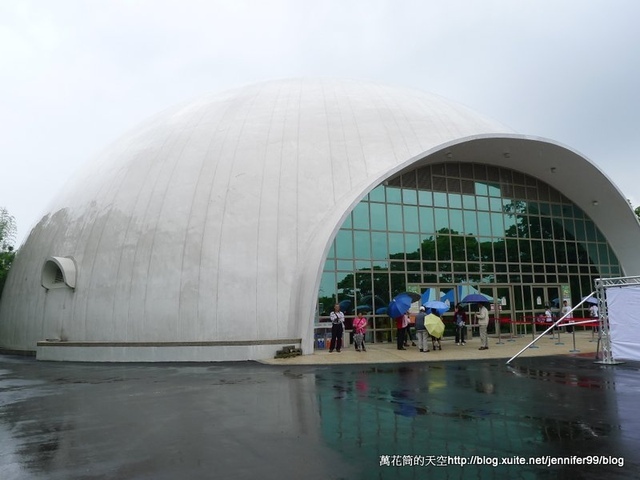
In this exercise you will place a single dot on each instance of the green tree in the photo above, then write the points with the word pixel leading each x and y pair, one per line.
pixel 7 240
pixel 637 210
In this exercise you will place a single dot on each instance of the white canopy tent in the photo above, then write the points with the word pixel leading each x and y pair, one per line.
pixel 619 310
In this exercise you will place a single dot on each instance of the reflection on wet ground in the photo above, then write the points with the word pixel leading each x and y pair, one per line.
pixel 245 420
pixel 435 413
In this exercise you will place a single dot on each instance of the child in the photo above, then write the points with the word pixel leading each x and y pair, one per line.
pixel 359 329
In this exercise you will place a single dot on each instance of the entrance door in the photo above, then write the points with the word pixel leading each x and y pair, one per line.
pixel 532 300
pixel 501 307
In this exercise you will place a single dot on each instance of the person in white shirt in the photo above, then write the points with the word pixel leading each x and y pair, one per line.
pixel 593 313
pixel 337 329
pixel 483 322
pixel 566 308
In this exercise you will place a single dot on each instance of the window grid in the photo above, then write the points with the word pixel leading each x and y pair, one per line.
pixel 456 223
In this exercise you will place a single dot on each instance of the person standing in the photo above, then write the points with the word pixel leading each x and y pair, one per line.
pixel 421 331
pixel 401 329
pixel 566 313
pixel 407 330
pixel 460 317
pixel 337 329
pixel 483 322
pixel 435 341
pixel 359 329
pixel 548 317
pixel 593 313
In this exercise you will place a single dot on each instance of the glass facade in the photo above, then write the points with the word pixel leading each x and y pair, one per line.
pixel 454 228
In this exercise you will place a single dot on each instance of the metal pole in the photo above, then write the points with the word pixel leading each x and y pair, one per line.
pixel 559 342
pixel 533 332
pixel 512 331
pixel 499 342
pixel 573 332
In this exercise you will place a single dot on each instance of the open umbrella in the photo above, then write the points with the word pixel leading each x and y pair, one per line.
pixel 399 305
pixel 461 291
pixel 591 299
pixel 415 297
pixel 434 325
pixel 440 307
pixel 375 301
pixel 475 298
pixel 364 308
pixel 345 306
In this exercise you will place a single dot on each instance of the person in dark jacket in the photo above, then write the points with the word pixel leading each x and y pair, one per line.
pixel 460 319
pixel 401 325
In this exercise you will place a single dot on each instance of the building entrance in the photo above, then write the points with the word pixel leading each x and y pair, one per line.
pixel 506 302
pixel 532 300
pixel 499 298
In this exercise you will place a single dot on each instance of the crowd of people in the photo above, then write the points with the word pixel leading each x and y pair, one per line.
pixel 424 335
pixel 421 324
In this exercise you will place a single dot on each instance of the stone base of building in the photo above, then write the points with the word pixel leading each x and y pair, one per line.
pixel 231 351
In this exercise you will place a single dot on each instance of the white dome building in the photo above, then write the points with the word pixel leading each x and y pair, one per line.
pixel 202 235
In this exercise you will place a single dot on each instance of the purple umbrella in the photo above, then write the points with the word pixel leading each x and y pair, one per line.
pixel 475 298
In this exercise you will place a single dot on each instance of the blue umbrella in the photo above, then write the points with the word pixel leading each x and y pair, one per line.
pixel 475 298
pixel 439 306
pixel 427 295
pixel 345 306
pixel 591 299
pixel 415 297
pixel 363 308
pixel 375 301
pixel 399 305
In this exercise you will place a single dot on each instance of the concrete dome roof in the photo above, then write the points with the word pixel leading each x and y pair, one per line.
pixel 211 221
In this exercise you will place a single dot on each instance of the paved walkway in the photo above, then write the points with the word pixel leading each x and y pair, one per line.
pixel 244 420
pixel 504 347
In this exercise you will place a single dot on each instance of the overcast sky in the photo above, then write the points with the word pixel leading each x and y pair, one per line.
pixel 75 75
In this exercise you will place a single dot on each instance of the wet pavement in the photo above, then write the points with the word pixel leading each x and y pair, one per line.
pixel 361 421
